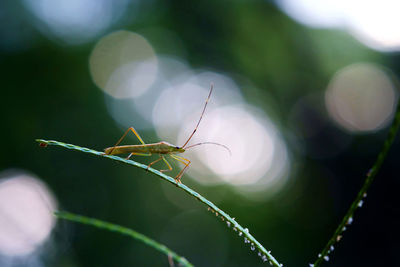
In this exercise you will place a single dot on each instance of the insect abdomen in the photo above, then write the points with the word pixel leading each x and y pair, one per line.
pixel 155 148
pixel 126 149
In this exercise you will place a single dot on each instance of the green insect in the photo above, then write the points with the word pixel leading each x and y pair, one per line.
pixel 162 149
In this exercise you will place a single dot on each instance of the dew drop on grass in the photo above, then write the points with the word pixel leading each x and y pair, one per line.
pixel 252 247
pixel 264 258
pixel 360 203
pixel 240 233
pixel 228 223
pixel 332 248
pixel 350 220
pixel 326 258
pixel 246 230
pixel 344 228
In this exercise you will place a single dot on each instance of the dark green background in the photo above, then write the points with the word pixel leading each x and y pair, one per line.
pixel 47 92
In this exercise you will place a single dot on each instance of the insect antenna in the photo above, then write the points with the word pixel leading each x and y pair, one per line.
pixel 211 143
pixel 202 113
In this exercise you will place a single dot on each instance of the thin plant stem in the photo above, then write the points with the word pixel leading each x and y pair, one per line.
pixel 358 202
pixel 125 231
pixel 230 222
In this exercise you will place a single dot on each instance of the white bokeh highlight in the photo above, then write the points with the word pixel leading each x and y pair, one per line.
pixel 185 97
pixel 75 21
pixel 361 98
pixel 123 64
pixel 26 218
pixel 374 23
pixel 259 159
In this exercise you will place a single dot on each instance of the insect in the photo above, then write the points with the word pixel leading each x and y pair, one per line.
pixel 163 149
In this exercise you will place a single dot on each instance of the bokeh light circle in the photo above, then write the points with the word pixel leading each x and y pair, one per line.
pixel 123 64
pixel 259 159
pixel 251 144
pixel 361 98
pixel 75 21
pixel 26 207
pixel 314 13
pixel 186 96
pixel 374 23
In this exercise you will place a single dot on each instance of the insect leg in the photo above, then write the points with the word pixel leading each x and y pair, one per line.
pixel 123 136
pixel 157 160
pixel 186 162
pixel 166 162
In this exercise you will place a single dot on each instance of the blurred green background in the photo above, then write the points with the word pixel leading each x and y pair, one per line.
pixel 297 74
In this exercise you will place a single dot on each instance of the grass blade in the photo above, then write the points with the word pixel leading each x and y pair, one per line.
pixel 357 203
pixel 263 253
pixel 122 230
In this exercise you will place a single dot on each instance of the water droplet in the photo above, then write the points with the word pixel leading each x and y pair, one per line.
pixel 332 248
pixel 350 220
pixel 234 229
pixel 360 203
pixel 326 258
pixel 319 255
pixel 259 254
pixel 246 230
pixel 264 258
pixel 246 240
pixel 365 195
pixel 344 228
pixel 252 247
pixel 233 218
pixel 311 265
pixel 228 223
pixel 240 233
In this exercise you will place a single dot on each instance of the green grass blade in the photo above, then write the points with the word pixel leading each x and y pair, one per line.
pixel 122 230
pixel 357 203
pixel 249 239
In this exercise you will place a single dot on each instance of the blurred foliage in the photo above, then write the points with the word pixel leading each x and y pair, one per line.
pixel 48 93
